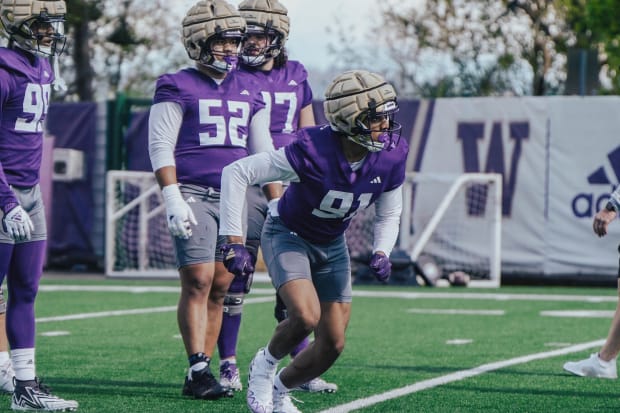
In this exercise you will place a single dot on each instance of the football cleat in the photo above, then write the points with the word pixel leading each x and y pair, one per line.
pixel 31 395
pixel 593 367
pixel 283 403
pixel 229 376
pixel 318 385
pixel 202 385
pixel 6 377
pixel 261 376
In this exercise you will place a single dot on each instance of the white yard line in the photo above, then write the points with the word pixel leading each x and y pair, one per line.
pixel 134 311
pixel 457 376
pixel 454 311
pixel 360 293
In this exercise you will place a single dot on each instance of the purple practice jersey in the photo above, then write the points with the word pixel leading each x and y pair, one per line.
pixel 216 121
pixel 285 91
pixel 329 193
pixel 25 85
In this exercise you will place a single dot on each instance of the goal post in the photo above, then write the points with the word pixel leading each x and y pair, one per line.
pixel 456 220
pixel 138 243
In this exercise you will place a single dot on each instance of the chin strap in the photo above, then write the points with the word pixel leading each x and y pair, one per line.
pixel 59 83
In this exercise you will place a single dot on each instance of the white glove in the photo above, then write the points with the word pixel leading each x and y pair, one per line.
pixel 18 224
pixel 179 214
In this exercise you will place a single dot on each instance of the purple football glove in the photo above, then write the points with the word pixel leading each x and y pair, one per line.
pixel 237 260
pixel 381 267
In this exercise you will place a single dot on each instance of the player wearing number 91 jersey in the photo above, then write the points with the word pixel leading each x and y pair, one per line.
pixel 334 171
pixel 202 119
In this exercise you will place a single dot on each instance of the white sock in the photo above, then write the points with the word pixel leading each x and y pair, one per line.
pixel 4 357
pixel 23 363
pixel 231 360
pixel 270 358
pixel 278 385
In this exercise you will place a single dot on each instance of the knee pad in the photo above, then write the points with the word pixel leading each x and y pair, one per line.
pixel 233 304
pixel 280 311
pixel 2 302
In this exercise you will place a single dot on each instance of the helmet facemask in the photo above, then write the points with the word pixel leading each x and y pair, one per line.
pixel 371 121
pixel 254 56
pixel 220 60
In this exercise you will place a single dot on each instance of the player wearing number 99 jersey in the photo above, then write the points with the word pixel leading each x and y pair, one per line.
pixel 35 30
pixel 202 119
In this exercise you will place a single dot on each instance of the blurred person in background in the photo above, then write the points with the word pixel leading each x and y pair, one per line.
pixel 603 363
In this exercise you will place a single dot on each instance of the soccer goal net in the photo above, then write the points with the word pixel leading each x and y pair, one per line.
pixel 453 221
pixel 138 243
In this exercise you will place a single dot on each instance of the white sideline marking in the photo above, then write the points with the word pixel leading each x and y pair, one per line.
pixel 489 296
pixel 360 293
pixel 455 311
pixel 134 311
pixel 457 376
pixel 578 313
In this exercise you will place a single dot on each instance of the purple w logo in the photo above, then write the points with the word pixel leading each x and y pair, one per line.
pixel 471 134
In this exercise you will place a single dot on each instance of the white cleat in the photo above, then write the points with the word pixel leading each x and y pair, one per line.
pixel 6 377
pixel 30 395
pixel 282 403
pixel 593 367
pixel 261 376
pixel 318 385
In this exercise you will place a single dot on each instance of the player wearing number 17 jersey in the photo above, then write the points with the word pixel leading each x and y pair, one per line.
pixel 202 119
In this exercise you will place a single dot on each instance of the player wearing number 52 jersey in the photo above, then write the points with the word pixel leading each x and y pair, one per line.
pixel 334 171
pixel 36 33
pixel 202 119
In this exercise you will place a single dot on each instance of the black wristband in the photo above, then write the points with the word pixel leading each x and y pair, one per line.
pixel 610 206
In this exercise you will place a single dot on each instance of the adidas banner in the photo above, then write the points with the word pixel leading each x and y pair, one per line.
pixel 559 158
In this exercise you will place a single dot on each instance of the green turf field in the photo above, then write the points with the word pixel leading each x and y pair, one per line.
pixel 117 349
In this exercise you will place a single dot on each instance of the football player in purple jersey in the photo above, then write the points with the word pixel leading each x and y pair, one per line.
pixel 36 32
pixel 202 119
pixel 288 96
pixel 334 171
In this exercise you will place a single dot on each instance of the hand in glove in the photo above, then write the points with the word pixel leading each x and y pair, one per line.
pixel 179 214
pixel 237 260
pixel 380 266
pixel 17 224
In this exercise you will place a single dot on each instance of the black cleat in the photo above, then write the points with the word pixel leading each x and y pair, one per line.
pixel 204 386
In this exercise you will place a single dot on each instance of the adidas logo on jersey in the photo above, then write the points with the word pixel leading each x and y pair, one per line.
pixel 292 83
pixel 376 180
pixel 244 92
pixel 191 199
